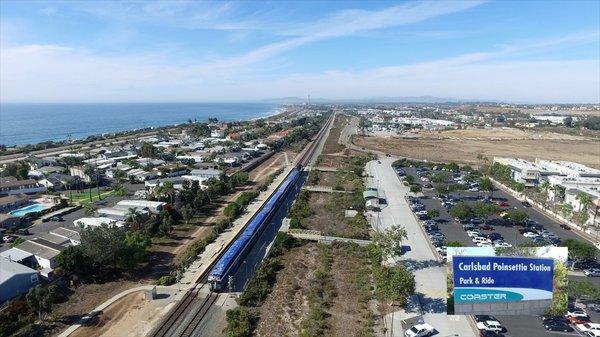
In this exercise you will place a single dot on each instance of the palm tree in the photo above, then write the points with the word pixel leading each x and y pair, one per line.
pixel 585 201
pixel 545 186
pixel 132 217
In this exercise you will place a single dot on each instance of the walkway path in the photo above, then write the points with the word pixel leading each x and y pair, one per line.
pixel 430 275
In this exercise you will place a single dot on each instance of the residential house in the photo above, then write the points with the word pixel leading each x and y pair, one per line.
pixel 15 279
pixel 44 251
pixel 11 185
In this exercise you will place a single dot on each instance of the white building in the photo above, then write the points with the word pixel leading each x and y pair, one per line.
pixel 98 221
pixel 152 206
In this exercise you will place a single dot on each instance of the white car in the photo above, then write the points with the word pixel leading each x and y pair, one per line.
pixel 490 326
pixel 597 245
pixel 473 233
pixel 588 327
pixel 484 244
pixel 592 333
pixel 576 313
pixel 419 330
pixel 530 235
pixel 592 272
pixel 479 239
pixel 502 245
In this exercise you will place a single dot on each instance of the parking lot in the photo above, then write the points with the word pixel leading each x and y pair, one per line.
pixel 447 229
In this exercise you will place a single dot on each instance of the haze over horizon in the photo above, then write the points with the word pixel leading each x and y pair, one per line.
pixel 174 51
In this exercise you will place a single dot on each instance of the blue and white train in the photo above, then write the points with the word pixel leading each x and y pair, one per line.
pixel 218 277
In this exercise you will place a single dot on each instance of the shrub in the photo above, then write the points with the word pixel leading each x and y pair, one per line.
pixel 238 323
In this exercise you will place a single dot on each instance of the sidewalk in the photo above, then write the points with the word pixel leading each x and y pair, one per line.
pixel 429 304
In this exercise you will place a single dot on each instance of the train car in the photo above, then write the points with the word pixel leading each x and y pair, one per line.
pixel 218 276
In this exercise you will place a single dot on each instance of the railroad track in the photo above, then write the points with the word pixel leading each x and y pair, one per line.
pixel 175 323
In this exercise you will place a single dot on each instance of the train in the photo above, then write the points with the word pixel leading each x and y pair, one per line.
pixel 219 276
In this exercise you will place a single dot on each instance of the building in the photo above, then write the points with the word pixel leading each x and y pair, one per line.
pixel 207 173
pixel 12 202
pixel 72 236
pixel 15 279
pixel 44 251
pixel 79 171
pixel 11 185
pixel 523 171
pixel 152 206
pixel 99 221
pixel 57 181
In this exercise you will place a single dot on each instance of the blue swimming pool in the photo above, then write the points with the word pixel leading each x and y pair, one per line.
pixel 28 209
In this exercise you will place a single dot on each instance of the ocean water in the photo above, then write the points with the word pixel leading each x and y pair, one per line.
pixel 25 123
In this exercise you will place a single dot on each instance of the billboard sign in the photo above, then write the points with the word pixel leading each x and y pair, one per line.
pixel 485 279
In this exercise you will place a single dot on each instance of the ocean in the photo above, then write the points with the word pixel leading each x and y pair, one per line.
pixel 28 123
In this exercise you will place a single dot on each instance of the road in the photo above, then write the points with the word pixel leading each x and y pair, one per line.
pixel 430 275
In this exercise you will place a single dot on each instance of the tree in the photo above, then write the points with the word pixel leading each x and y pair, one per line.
pixel 545 187
pixel 516 216
pixel 239 178
pixel 415 188
pixel 188 213
pixel 148 151
pixel 585 201
pixel 390 240
pixel 568 121
pixel 462 211
pixel 484 210
pixel 41 299
pixel 566 209
pixel 454 244
pixel 583 290
pixel 133 217
pixel 232 210
pixel 409 179
pixel 579 250
pixel 166 224
pixel 580 217
pixel 433 213
pixel 90 209
pixel 487 185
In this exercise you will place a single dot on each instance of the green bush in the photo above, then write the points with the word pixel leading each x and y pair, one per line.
pixel 166 280
pixel 239 323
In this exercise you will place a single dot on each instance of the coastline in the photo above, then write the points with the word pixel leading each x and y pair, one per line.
pixel 114 138
pixel 31 124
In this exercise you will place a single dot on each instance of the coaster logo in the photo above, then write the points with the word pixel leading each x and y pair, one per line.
pixel 462 295
pixel 483 297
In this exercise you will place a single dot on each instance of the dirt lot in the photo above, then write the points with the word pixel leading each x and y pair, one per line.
pixel 347 313
pixel 331 144
pixel 341 180
pixel 130 316
pixel 466 151
pixel 497 134
pixel 328 216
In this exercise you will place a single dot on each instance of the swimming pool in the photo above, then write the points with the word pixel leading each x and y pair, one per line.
pixel 28 209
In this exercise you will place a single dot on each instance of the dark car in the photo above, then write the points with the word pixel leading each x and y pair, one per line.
pixel 23 231
pixel 486 227
pixel 553 318
pixel 526 204
pixel 565 227
pixel 485 318
pixel 57 218
pixel 557 326
pixel 476 221
pixel 485 333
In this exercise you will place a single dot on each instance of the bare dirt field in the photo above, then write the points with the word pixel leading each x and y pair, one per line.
pixel 328 215
pixel 130 316
pixel 466 151
pixel 341 180
pixel 331 144
pixel 499 134
pixel 347 279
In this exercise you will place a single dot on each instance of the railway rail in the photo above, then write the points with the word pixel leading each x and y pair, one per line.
pixel 177 322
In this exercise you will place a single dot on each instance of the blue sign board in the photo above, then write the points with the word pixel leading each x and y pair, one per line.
pixel 501 278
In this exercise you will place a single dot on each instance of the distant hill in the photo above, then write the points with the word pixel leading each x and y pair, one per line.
pixel 402 99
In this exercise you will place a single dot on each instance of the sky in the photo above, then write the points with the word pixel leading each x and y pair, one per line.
pixel 194 51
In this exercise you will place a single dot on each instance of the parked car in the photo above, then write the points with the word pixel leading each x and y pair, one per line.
pixel 419 330
pixel 486 227
pixel 526 204
pixel 484 318
pixel 557 326
pixel 57 218
pixel 8 238
pixel 592 333
pixel 22 231
pixel 530 234
pixel 578 320
pixel 575 312
pixel 476 221
pixel 588 327
pixel 490 326
pixel 592 272
pixel 565 227
pixel 553 318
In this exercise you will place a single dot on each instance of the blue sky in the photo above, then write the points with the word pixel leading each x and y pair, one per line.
pixel 102 51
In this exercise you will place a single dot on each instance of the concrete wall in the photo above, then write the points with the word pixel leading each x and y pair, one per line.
pixel 534 307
